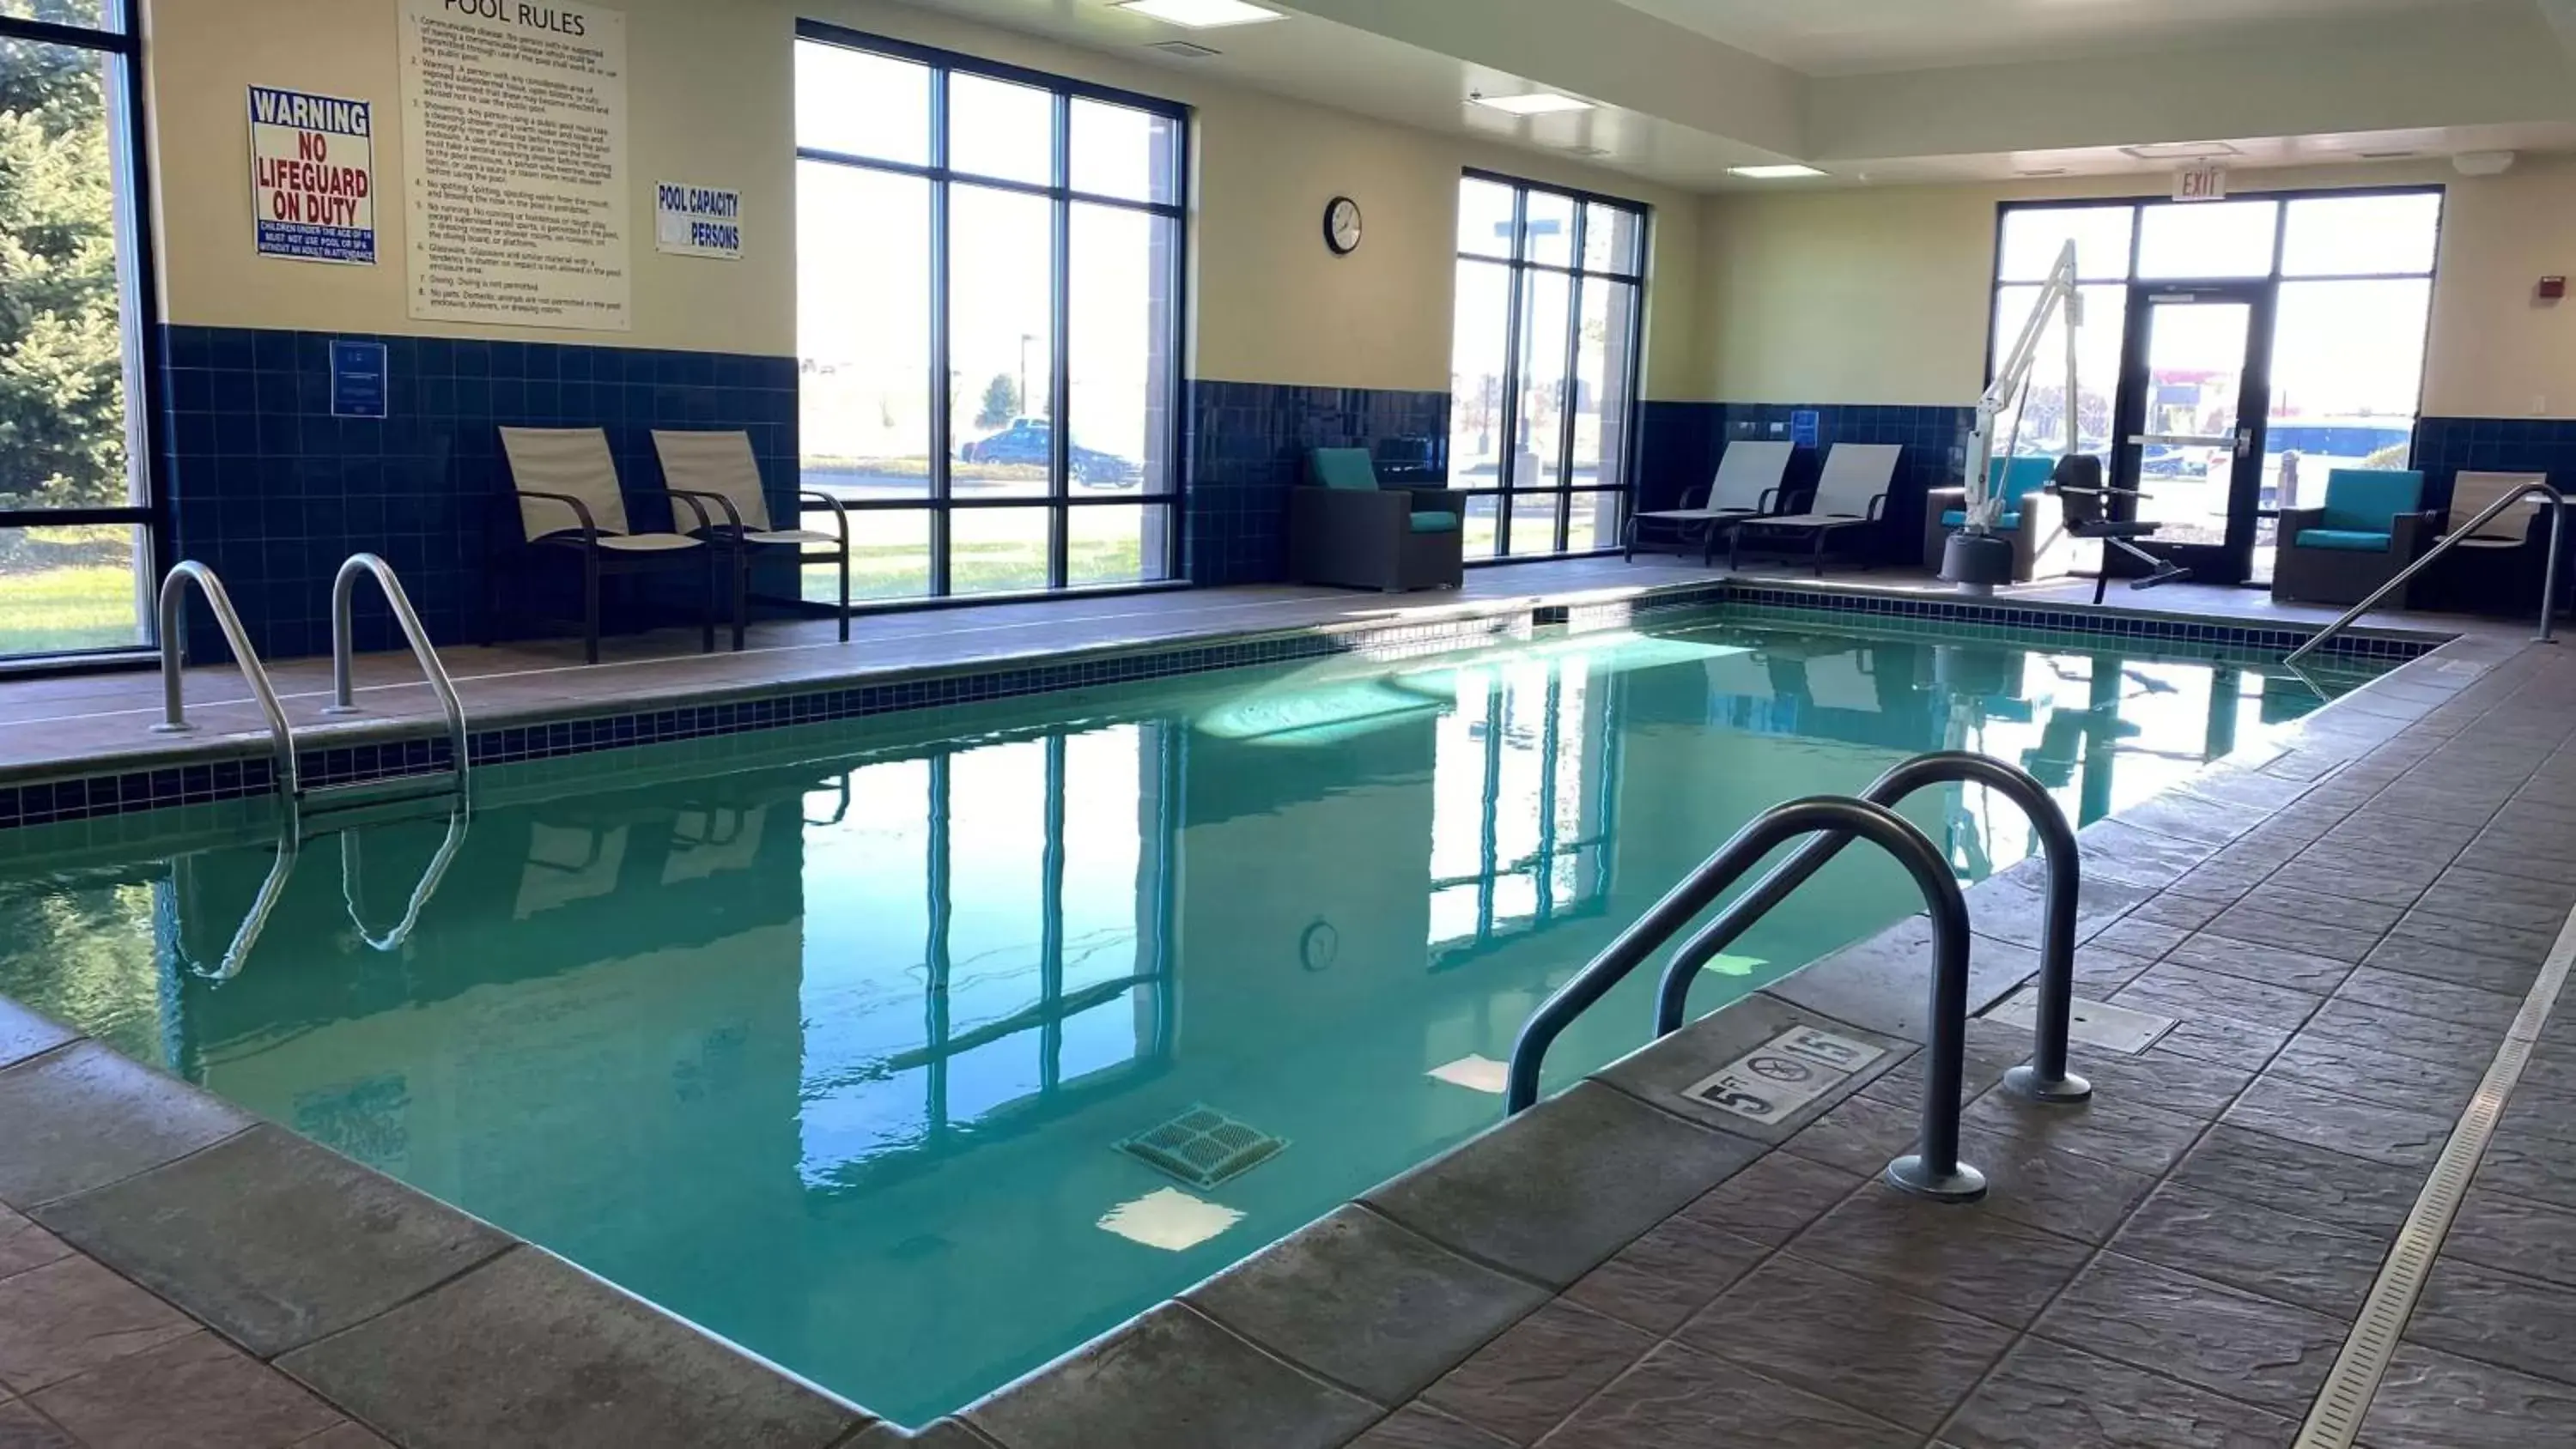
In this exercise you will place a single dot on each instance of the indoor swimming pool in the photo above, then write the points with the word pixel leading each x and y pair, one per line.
pixel 910 1064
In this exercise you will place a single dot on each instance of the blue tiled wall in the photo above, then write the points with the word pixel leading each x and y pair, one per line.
pixel 1683 442
pixel 272 491
pixel 2444 446
pixel 1247 448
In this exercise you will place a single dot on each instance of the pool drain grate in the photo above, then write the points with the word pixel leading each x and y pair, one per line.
pixel 1203 1147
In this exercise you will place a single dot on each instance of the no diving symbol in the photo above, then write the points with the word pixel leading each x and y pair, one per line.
pixel 1780 1069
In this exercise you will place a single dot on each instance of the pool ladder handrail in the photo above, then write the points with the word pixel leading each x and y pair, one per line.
pixel 290 843
pixel 174 709
pixel 2452 540
pixel 344 587
pixel 353 883
pixel 2044 1077
pixel 1933 1169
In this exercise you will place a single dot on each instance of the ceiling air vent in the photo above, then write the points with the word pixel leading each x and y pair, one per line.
pixel 2381 155
pixel 1183 49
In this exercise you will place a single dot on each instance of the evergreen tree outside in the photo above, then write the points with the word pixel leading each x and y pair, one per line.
pixel 1001 402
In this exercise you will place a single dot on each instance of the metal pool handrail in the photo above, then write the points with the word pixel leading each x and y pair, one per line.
pixel 174 709
pixel 2044 1078
pixel 343 689
pixel 2452 540
pixel 1933 1170
pixel 353 870
pixel 290 841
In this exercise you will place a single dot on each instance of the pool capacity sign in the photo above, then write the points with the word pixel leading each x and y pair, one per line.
pixel 313 176
pixel 697 221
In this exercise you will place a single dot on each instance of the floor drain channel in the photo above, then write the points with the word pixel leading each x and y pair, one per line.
pixel 2335 1420
pixel 1203 1147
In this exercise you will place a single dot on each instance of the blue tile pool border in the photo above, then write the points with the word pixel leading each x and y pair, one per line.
pixel 162 786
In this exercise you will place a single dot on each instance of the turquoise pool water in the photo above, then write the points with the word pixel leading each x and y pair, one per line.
pixel 833 1056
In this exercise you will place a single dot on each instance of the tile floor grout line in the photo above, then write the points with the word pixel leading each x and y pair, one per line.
pixel 2334 1420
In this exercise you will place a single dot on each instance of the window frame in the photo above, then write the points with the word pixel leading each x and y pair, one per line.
pixel 939 499
pixel 119 34
pixel 2129 278
pixel 1517 267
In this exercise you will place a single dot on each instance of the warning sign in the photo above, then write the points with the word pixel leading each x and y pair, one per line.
pixel 313 176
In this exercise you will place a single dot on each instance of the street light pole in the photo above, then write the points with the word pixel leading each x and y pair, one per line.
pixel 1025 339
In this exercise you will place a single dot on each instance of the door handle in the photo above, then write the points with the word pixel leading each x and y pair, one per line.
pixel 2245 441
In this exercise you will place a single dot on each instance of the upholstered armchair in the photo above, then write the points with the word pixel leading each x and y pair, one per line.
pixel 1345 529
pixel 2366 532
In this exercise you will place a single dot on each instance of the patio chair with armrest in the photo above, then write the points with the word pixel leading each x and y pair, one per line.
pixel 1851 493
pixel 718 469
pixel 1747 485
pixel 565 486
pixel 2497 568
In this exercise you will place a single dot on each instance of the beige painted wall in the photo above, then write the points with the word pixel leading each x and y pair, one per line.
pixel 1880 295
pixel 710 101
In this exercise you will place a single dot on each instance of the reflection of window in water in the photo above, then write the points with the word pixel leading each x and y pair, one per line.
pixel 984 937
pixel 1521 798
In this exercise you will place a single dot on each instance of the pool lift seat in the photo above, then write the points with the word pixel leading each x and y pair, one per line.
pixel 297 802
pixel 2090 507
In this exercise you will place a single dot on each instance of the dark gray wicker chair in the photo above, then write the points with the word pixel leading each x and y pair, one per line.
pixel 1344 529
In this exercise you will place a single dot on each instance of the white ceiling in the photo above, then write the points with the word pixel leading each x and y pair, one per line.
pixel 1832 37
pixel 1688 88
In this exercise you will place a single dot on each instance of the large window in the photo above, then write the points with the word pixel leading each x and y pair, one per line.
pixel 2346 281
pixel 1543 366
pixel 988 281
pixel 76 521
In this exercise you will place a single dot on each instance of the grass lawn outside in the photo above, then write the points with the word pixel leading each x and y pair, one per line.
pixel 72 606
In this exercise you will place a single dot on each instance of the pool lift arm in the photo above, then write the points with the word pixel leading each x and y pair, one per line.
pixel 2012 380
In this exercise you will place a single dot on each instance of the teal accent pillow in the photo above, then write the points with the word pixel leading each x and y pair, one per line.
pixel 1347 468
pixel 2008 521
pixel 2366 500
pixel 2349 540
pixel 1435 521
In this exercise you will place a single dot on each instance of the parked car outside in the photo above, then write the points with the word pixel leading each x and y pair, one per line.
pixel 1030 442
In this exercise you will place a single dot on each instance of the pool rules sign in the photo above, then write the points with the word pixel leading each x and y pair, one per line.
pixel 313 176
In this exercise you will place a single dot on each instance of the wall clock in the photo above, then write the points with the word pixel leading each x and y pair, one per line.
pixel 1342 225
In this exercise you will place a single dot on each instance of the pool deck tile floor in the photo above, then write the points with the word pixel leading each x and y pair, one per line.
pixel 2341 926
pixel 96 723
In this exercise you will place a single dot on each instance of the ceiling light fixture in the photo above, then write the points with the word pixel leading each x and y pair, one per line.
pixel 1773 173
pixel 1535 103
pixel 1200 14
pixel 2182 150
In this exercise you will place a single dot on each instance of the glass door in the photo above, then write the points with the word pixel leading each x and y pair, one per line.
pixel 2192 393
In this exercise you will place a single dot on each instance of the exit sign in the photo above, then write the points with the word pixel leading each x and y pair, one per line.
pixel 2201 183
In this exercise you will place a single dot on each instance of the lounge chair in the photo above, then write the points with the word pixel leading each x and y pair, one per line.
pixel 566 490
pixel 2365 533
pixel 1747 485
pixel 1851 492
pixel 1345 529
pixel 2497 569
pixel 2031 519
pixel 719 470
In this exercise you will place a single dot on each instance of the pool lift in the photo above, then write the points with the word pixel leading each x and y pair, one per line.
pixel 1975 558
pixel 297 801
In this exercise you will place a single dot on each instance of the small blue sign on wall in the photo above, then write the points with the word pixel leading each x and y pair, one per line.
pixel 1803 427
pixel 357 379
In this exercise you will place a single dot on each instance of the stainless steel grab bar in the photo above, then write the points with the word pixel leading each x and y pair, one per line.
pixel 174 709
pixel 2044 1078
pixel 1933 1170
pixel 353 882
pixel 343 690
pixel 2451 540
pixel 290 843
